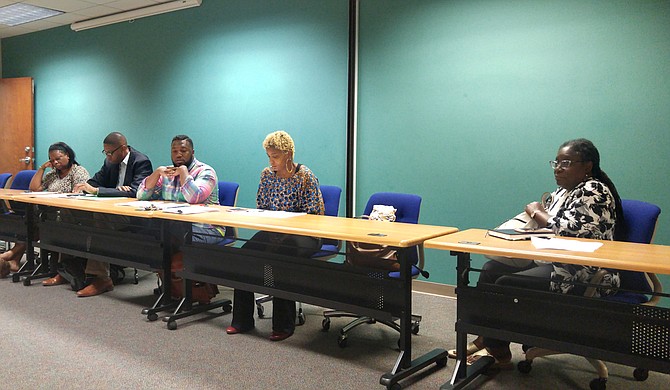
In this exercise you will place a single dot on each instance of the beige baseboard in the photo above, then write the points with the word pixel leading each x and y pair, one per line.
pixel 424 287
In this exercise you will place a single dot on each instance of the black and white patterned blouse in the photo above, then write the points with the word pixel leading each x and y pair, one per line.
pixel 589 211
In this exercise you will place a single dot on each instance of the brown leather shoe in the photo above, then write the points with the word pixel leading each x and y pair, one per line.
pixel 97 287
pixel 55 281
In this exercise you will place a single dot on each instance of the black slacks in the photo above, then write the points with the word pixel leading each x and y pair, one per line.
pixel 283 311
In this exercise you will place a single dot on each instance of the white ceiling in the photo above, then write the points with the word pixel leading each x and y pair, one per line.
pixel 75 11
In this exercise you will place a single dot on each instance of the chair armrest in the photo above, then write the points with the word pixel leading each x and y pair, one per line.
pixel 596 279
pixel 658 288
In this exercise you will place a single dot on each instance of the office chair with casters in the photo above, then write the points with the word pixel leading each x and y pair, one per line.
pixel 407 210
pixel 227 197
pixel 227 192
pixel 21 181
pixel 640 224
pixel 329 248
pixel 4 181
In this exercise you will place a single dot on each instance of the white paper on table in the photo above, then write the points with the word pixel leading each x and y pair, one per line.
pixel 568 245
pixel 42 193
pixel 97 198
pixel 150 205
pixel 190 210
pixel 264 213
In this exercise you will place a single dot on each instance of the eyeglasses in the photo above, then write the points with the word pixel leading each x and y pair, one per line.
pixel 106 153
pixel 565 164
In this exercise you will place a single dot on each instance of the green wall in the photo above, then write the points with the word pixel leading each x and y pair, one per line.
pixel 462 102
pixel 465 102
pixel 226 73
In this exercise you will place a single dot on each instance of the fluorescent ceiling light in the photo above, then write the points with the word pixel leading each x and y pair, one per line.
pixel 19 13
pixel 135 14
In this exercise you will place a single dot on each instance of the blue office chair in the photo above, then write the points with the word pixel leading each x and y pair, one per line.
pixel 228 197
pixel 4 179
pixel 228 193
pixel 407 208
pixel 639 224
pixel 21 182
pixel 331 202
pixel 329 248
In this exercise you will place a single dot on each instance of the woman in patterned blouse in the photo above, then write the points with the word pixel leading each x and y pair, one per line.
pixel 591 208
pixel 65 173
pixel 284 186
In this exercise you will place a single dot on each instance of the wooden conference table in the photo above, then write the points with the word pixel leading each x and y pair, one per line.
pixel 634 335
pixel 328 284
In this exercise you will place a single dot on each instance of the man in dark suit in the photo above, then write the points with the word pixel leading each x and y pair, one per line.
pixel 122 172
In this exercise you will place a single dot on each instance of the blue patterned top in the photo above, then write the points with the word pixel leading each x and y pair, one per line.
pixel 298 193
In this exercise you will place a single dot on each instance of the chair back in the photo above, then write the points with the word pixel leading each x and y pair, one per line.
pixel 407 206
pixel 228 197
pixel 228 193
pixel 331 204
pixel 639 220
pixel 331 199
pixel 639 223
pixel 22 180
pixel 4 178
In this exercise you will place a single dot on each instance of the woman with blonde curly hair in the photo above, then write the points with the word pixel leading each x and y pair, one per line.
pixel 284 186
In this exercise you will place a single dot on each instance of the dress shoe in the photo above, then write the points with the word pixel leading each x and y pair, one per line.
pixel 97 287
pixel 234 330
pixel 55 281
pixel 279 336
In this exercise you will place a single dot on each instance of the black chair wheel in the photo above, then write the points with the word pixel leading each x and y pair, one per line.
pixel 261 311
pixel 172 325
pixel 415 328
pixel 325 324
pixel 26 282
pixel 395 386
pixel 598 384
pixel 342 341
pixel 152 317
pixel 442 362
pixel 301 319
pixel 16 278
pixel 641 374
pixel 227 308
pixel 524 366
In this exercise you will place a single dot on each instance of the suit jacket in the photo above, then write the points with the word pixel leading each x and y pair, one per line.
pixel 107 178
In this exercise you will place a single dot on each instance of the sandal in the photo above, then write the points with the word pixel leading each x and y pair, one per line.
pixel 502 357
pixel 475 346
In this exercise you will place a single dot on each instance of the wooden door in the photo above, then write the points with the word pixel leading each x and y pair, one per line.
pixel 17 124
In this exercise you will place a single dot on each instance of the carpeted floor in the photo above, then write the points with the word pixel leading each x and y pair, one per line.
pixel 53 340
